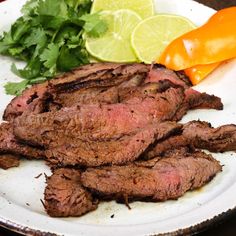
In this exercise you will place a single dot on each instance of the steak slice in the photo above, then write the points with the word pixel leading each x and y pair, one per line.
pixel 32 99
pixel 198 134
pixel 204 136
pixel 8 161
pixel 9 144
pixel 98 75
pixel 65 196
pixel 173 142
pixel 108 95
pixel 159 73
pixel 197 100
pixel 98 122
pixel 160 180
pixel 114 151
pixel 40 98
pixel 193 100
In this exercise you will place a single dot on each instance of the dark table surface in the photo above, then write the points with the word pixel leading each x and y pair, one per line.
pixel 228 226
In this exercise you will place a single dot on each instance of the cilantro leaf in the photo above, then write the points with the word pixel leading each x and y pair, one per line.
pixel 15 51
pixel 64 34
pixel 75 41
pixel 20 28
pixel 36 36
pixel 52 8
pixel 69 59
pixel 6 42
pixel 50 55
pixel 29 8
pixel 15 88
pixel 94 25
pixel 31 70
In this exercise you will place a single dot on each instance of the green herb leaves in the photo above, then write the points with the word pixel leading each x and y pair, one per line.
pixel 49 37
pixel 93 25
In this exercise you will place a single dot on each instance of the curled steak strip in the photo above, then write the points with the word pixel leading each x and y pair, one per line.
pixel 199 135
pixel 193 100
pixel 64 195
pixel 115 151
pixel 39 98
pixel 98 122
pixel 8 161
pixel 197 100
pixel 168 178
pixel 204 136
pixel 9 144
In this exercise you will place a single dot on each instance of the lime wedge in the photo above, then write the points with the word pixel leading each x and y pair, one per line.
pixel 144 8
pixel 152 35
pixel 115 44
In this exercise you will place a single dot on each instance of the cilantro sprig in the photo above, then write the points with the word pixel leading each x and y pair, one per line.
pixel 49 38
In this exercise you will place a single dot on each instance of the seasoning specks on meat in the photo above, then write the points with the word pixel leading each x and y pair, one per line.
pixel 166 178
pixel 64 195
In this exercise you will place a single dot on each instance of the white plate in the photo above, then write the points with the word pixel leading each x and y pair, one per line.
pixel 20 192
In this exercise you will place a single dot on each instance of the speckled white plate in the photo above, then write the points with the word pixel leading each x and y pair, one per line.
pixel 20 192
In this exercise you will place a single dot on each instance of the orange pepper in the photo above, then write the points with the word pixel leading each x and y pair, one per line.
pixel 213 42
pixel 197 73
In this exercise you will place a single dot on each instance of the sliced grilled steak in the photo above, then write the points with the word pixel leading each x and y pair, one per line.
pixel 64 195
pixel 193 100
pixel 40 98
pixel 111 95
pixel 115 151
pixel 173 142
pixel 32 99
pixel 8 161
pixel 197 100
pixel 160 180
pixel 159 73
pixel 9 144
pixel 98 75
pixel 204 136
pixel 98 122
pixel 198 134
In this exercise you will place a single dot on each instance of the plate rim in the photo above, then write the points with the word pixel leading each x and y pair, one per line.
pixel 197 228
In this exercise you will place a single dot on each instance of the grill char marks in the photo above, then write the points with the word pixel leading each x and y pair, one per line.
pixel 98 75
pixel 159 180
pixel 160 73
pixel 65 196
